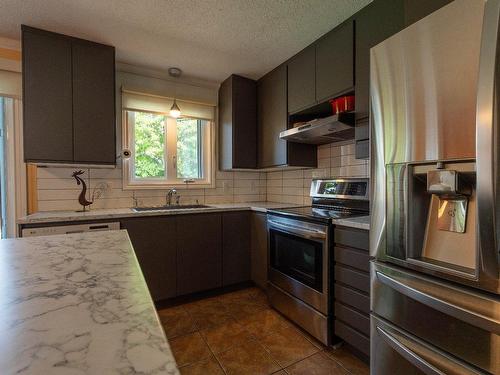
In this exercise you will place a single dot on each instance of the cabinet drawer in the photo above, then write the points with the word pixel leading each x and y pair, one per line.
pixel 356 279
pixel 352 337
pixel 352 257
pixel 355 319
pixel 352 298
pixel 357 238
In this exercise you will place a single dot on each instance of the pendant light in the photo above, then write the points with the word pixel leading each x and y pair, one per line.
pixel 175 111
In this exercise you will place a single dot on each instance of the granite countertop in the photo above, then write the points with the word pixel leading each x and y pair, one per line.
pixel 360 222
pixel 99 214
pixel 78 304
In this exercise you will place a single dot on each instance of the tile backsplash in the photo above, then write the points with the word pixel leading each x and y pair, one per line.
pixel 333 161
pixel 57 190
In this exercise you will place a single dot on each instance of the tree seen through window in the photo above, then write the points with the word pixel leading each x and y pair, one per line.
pixel 149 136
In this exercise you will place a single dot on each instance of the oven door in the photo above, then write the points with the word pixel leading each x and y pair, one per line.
pixel 298 259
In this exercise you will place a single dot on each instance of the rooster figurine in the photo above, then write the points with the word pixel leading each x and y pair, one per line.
pixel 82 197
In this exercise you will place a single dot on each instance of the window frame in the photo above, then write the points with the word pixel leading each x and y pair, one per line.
pixel 207 155
pixel 200 150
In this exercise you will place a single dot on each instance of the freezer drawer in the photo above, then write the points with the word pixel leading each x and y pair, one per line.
pixel 457 321
pixel 394 351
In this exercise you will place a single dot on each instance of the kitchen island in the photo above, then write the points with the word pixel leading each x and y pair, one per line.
pixel 78 304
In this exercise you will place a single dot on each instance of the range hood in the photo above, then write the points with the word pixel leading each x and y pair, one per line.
pixel 336 128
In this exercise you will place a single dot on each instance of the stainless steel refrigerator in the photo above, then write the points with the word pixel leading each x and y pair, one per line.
pixel 435 224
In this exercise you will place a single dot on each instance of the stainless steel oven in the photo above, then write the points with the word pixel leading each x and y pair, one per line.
pixel 300 250
pixel 299 272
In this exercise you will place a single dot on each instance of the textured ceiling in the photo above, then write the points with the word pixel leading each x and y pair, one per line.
pixel 208 39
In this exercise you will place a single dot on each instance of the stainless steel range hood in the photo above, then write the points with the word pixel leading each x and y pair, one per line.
pixel 336 128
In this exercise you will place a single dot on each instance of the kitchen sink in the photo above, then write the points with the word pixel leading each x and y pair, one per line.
pixel 169 208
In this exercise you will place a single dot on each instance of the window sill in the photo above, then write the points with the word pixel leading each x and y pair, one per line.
pixel 166 185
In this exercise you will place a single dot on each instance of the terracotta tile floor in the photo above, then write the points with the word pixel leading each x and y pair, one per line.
pixel 238 333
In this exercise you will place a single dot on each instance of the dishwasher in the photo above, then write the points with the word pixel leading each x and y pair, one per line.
pixel 68 229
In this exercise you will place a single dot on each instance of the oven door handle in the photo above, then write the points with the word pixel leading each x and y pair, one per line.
pixel 296 230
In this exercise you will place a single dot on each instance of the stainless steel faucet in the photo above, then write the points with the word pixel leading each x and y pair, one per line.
pixel 169 195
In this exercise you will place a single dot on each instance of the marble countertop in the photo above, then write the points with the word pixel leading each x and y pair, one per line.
pixel 100 214
pixel 78 304
pixel 360 222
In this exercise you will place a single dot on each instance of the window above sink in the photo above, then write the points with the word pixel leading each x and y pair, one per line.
pixel 165 151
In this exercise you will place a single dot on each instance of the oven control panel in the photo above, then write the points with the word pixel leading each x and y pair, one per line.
pixel 341 188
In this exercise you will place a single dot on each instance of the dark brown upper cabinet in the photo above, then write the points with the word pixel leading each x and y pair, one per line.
pixel 47 97
pixel 335 62
pixel 68 99
pixel 302 80
pixel 237 123
pixel 272 118
pixel 93 103
pixel 322 71
pixel 415 10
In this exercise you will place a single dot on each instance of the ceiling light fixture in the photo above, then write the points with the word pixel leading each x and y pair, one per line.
pixel 175 111
pixel 174 72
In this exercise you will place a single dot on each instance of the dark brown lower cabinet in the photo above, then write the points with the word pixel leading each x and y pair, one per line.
pixel 185 254
pixel 199 252
pixel 155 249
pixel 352 288
pixel 235 247
pixel 258 231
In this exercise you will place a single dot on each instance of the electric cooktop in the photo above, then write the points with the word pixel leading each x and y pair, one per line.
pixel 332 199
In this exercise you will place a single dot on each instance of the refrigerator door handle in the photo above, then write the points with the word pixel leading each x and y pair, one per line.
pixel 486 144
pixel 420 356
pixel 419 289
